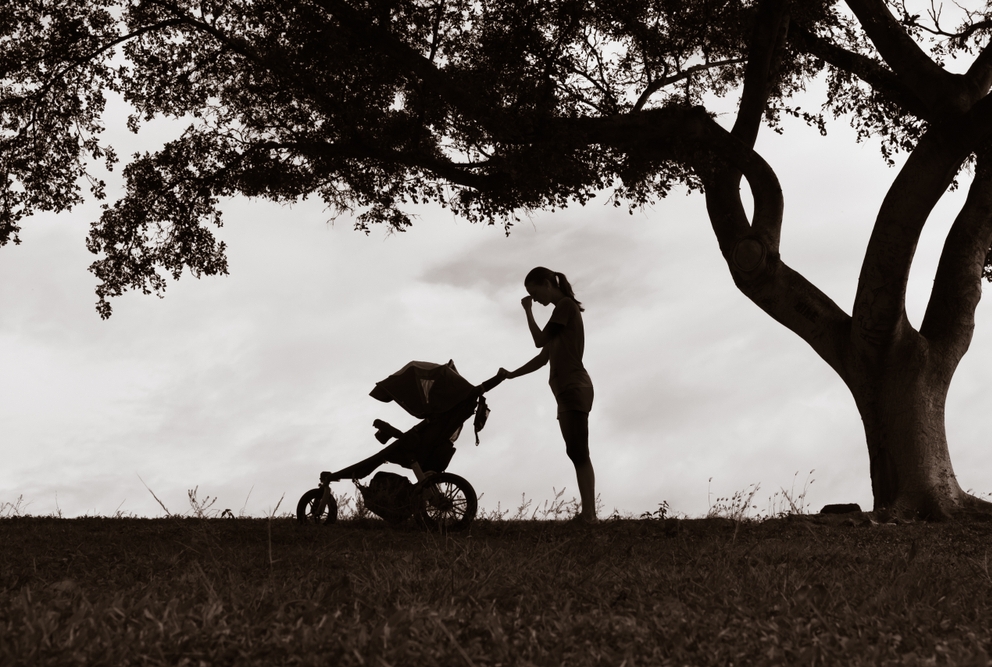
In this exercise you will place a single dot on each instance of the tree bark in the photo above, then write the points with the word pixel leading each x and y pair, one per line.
pixel 901 393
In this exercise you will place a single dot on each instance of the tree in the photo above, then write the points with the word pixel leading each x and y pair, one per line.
pixel 498 106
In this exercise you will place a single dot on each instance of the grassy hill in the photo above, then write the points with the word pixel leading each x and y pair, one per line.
pixel 804 590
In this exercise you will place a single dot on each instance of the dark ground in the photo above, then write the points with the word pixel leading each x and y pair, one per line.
pixel 802 590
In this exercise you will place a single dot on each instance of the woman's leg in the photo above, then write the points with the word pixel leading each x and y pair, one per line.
pixel 575 430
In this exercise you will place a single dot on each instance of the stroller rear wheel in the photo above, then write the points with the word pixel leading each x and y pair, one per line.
pixel 447 503
pixel 306 509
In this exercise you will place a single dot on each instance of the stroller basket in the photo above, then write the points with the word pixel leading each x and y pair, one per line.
pixel 389 496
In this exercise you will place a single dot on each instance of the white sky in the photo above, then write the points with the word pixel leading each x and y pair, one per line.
pixel 255 382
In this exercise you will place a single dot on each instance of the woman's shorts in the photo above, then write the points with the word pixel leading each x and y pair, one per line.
pixel 575 398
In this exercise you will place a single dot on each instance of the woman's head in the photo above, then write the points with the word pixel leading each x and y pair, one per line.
pixel 545 285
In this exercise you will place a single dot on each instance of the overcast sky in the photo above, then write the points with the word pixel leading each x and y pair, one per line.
pixel 247 386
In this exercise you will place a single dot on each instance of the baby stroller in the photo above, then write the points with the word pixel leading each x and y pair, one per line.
pixel 439 500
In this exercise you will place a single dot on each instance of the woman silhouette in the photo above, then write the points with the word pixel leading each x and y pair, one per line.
pixel 562 342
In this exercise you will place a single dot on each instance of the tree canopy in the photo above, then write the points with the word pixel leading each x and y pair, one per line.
pixel 486 107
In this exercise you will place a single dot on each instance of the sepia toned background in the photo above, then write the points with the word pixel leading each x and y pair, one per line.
pixel 247 386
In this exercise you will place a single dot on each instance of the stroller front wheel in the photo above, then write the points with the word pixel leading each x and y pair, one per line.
pixel 306 509
pixel 447 503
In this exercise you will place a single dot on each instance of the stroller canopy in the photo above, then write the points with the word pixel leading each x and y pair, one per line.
pixel 424 389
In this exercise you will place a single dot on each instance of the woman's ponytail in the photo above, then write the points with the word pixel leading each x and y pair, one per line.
pixel 566 289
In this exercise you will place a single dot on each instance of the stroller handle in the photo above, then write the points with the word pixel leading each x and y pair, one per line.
pixel 491 382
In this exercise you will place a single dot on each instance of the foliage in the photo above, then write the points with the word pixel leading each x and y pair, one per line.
pixel 660 514
pixel 54 73
pixel 801 590
pixel 489 108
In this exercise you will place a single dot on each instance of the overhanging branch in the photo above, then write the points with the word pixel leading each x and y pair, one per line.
pixel 938 89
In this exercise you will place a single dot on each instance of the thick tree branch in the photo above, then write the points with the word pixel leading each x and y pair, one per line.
pixel 751 250
pixel 879 308
pixel 761 275
pixel 950 318
pixel 771 27
pixel 438 165
pixel 881 79
pixel 800 306
pixel 723 183
pixel 937 88
pixel 691 135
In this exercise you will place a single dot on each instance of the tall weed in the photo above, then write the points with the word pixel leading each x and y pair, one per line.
pixel 790 503
pixel 201 507
pixel 736 507
pixel 16 508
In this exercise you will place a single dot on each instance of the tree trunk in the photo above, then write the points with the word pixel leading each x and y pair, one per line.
pixel 901 394
pixel 900 376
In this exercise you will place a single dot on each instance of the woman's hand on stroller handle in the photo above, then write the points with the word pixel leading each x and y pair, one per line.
pixel 501 375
